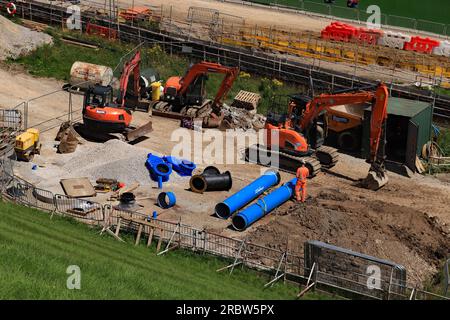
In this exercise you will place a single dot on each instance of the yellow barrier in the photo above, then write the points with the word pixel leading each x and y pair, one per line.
pixel 311 46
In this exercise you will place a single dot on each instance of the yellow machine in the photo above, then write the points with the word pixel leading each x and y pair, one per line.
pixel 27 145
pixel 346 122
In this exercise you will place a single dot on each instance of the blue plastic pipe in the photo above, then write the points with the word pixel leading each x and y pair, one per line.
pixel 226 208
pixel 264 206
pixel 166 200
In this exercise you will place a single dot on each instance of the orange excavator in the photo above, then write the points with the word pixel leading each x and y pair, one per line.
pixel 187 95
pixel 103 115
pixel 289 135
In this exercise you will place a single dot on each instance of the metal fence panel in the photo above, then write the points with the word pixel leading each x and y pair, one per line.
pixel 79 209
pixel 429 26
pixel 403 22
pixel 343 12
pixel 315 7
pixel 45 199
pixel 220 245
pixel 361 273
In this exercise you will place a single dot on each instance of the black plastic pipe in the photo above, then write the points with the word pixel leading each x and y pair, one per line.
pixel 211 180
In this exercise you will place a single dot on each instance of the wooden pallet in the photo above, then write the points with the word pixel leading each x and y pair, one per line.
pixel 35 26
pixel 246 100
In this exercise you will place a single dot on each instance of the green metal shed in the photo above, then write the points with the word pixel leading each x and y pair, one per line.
pixel 408 129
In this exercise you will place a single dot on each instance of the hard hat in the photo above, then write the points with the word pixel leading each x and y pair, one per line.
pixel 302 161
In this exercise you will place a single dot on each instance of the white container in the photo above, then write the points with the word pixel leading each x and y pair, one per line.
pixel 83 75
pixel 394 40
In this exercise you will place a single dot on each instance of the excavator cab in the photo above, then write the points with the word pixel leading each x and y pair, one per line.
pixel 187 94
pixel 297 107
pixel 196 93
pixel 99 96
pixel 101 113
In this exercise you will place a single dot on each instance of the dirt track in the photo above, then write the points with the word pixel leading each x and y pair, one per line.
pixel 252 15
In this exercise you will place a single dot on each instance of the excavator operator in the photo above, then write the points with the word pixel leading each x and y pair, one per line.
pixel 302 175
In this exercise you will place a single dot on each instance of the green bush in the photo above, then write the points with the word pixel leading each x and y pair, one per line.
pixel 444 141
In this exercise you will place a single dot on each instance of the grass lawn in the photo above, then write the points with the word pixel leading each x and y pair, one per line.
pixel 432 10
pixel 36 251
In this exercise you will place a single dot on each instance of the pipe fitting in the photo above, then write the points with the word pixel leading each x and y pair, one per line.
pixel 211 180
pixel 166 200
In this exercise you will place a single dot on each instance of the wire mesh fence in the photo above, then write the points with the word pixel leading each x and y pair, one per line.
pixel 11 123
pixel 357 15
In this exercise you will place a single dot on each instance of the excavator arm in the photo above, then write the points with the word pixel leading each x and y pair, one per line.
pixel 204 68
pixel 226 86
pixel 379 100
pixel 130 67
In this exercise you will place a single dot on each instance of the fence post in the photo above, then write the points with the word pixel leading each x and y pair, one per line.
pixel 446 276
pixel 316 271
pixel 25 122
pixel 205 237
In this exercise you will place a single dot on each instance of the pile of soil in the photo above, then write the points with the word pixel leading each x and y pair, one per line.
pixel 393 232
pixel 16 40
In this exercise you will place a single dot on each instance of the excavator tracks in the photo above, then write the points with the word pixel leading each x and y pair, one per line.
pixel 327 156
pixel 188 111
pixel 287 162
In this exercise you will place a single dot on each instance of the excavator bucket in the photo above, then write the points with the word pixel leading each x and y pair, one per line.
pixel 133 134
pixel 375 179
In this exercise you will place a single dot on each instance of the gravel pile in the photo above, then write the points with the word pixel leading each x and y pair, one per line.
pixel 113 159
pixel 16 40
pixel 236 118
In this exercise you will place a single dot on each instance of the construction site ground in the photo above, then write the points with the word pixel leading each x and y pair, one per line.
pixel 407 221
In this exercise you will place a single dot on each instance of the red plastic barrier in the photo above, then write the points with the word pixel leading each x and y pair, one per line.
pixel 419 44
pixel 101 31
pixel 339 31
pixel 368 36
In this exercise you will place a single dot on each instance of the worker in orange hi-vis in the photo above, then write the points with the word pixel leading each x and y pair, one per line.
pixel 302 175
